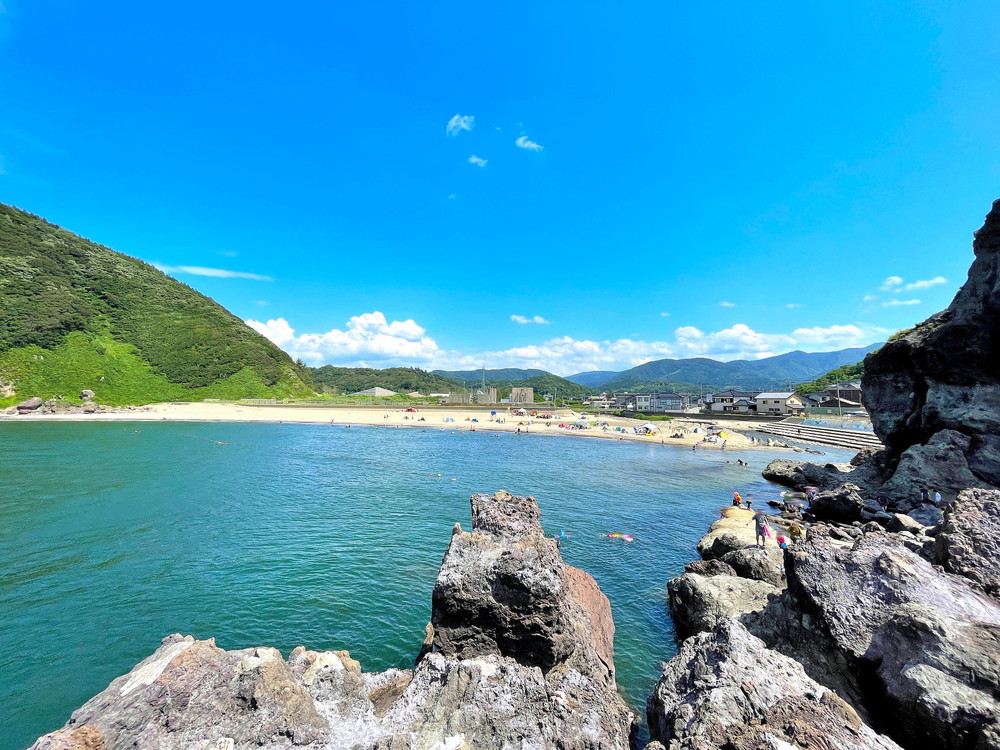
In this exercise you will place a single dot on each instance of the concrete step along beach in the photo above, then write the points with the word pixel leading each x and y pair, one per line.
pixel 804 433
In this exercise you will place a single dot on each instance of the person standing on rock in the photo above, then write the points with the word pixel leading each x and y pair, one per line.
pixel 937 498
pixel 762 528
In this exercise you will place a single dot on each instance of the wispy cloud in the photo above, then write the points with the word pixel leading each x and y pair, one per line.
pixel 891 282
pixel 523 142
pixel 535 319
pixel 925 284
pixel 793 305
pixel 216 273
pixel 226 253
pixel 261 302
pixel 664 315
pixel 900 302
pixel 477 161
pixel 869 298
pixel 458 123
pixel 727 304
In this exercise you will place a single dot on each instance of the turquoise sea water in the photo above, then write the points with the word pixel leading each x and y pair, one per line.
pixel 113 536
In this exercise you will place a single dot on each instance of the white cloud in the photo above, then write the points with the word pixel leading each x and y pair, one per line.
pixel 477 161
pixel 891 282
pixel 261 303
pixel 727 304
pixel 370 340
pixel 367 340
pixel 900 302
pixel 523 142
pixel 458 123
pixel 536 319
pixel 869 298
pixel 925 284
pixel 217 273
pixel 664 315
pixel 793 305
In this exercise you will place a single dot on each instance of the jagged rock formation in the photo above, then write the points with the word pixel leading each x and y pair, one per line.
pixel 519 653
pixel 725 689
pixel 869 618
pixel 944 377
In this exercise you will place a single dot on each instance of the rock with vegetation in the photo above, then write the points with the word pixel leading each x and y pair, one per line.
pixel 726 689
pixel 941 378
pixel 519 653
pixel 75 316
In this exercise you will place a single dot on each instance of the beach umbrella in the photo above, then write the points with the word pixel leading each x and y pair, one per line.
pixel 650 427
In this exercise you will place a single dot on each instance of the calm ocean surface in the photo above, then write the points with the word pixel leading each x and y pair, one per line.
pixel 113 536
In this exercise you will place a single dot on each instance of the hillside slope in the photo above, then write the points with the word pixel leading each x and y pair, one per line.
pixel 75 315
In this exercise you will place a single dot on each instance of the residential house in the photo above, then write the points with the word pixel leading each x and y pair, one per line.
pixel 779 402
pixel 734 401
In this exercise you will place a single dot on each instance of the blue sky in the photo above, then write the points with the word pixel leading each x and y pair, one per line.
pixel 617 184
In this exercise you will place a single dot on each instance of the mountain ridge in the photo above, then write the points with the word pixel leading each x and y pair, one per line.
pixel 691 374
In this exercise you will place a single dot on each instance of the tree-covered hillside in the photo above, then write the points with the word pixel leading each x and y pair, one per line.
pixel 346 380
pixel 839 375
pixel 76 315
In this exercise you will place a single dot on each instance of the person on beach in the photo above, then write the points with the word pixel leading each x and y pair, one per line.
pixel 762 529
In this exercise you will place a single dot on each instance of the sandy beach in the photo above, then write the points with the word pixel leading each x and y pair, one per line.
pixel 686 432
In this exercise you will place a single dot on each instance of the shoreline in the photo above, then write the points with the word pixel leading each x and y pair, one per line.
pixel 678 432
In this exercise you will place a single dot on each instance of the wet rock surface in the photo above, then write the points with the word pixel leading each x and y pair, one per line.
pixel 473 686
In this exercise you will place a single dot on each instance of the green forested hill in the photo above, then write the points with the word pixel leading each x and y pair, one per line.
pixel 346 380
pixel 75 315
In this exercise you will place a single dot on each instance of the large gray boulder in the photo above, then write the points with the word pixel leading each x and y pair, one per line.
pixel 725 689
pixel 474 684
pixel 969 541
pixel 699 603
pixel 843 505
pixel 758 563
pixel 921 643
pixel 32 404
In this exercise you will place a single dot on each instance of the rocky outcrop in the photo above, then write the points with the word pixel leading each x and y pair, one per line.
pixel 968 543
pixel 941 381
pixel 698 603
pixel 919 642
pixel 844 504
pixel 519 653
pixel 30 405
pixel 725 689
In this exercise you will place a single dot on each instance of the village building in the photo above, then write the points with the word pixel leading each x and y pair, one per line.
pixel 779 403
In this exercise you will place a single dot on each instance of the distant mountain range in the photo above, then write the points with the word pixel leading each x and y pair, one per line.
pixel 783 371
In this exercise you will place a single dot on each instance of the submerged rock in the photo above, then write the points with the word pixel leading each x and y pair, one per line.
pixel 519 653
pixel 725 689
